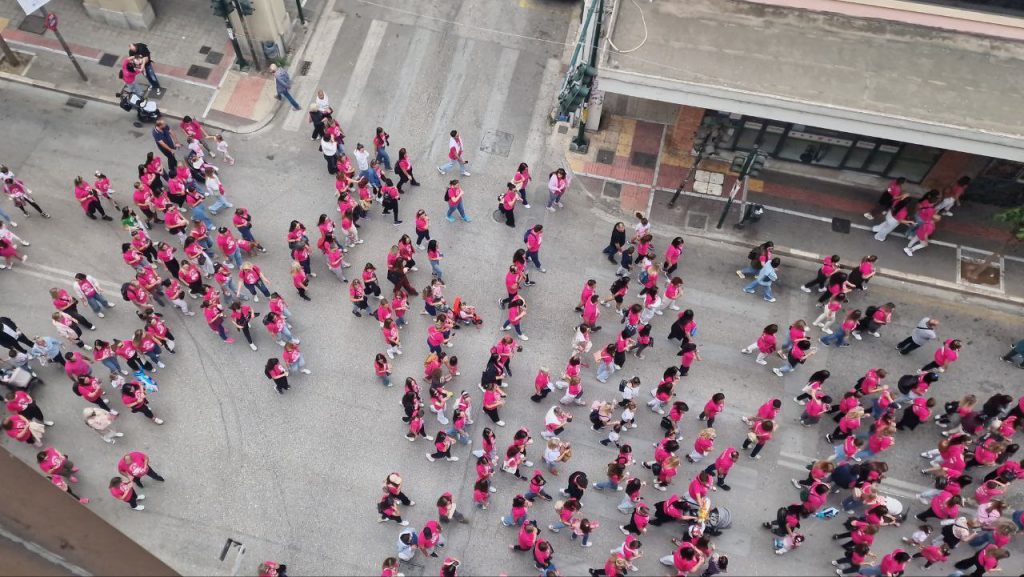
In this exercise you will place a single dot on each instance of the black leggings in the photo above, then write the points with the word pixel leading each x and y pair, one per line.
pixel 33 412
pixel 27 200
pixel 422 235
pixel 818 281
pixel 281 383
pixel 72 311
pixel 138 363
pixel 439 454
pixel 372 288
pixel 152 474
pixel 245 331
pixel 99 402
pixel 144 409
pixel 493 414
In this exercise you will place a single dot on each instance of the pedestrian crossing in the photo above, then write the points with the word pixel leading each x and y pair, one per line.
pixel 421 79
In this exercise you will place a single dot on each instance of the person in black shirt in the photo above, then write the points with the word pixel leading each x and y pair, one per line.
pixel 141 51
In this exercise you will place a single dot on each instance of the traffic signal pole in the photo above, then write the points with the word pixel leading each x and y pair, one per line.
pixel 741 184
pixel 248 36
pixel 689 175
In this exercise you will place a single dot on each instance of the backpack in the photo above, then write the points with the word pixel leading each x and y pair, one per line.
pixel 526 235
pixel 124 291
pixel 446 196
pixel 753 255
pixel 870 312
pixel 906 383
pixel 622 385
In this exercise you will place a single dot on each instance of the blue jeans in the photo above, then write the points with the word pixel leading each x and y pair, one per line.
pixel 112 364
pixel 460 437
pixel 558 525
pixel 434 349
pixel 258 285
pixel 435 267
pixel 246 232
pixel 151 76
pixel 6 217
pixel 535 257
pixel 786 368
pixel 231 289
pixel 517 326
pixel 199 212
pixel 298 365
pixel 221 202
pixel 287 334
pixel 605 370
pixel 444 168
pixel 752 288
pixel 371 176
pixel 606 485
pixel 154 354
pixel 236 257
pixel 457 207
pixel 383 158
pixel 508 521
pixel 837 338
pixel 522 196
pixel 288 96
pixel 97 302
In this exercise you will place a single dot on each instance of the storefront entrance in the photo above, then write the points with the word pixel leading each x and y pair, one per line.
pixel 826 148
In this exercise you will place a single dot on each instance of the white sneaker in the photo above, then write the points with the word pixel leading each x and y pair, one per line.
pixel 252 346
pixel 48 423
pixel 138 508
pixel 99 315
pixel 524 337
pixel 255 298
pixel 805 289
pixel 306 371
pixel 161 364
pixel 140 497
pixel 826 330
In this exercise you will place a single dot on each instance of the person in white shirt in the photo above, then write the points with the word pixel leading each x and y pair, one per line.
pixel 454 155
pixel 323 104
pixel 330 150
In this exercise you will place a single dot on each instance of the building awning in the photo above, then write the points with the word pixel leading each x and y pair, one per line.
pixel 883 79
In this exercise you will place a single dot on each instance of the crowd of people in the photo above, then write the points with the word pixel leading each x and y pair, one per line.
pixel 182 198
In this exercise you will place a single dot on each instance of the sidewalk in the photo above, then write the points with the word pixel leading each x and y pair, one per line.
pixel 193 60
pixel 631 166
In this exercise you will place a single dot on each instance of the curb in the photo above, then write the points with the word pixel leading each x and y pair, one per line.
pixel 893 278
pixel 95 96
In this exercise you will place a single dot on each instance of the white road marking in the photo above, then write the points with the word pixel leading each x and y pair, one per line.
pixel 540 125
pixel 361 73
pixel 318 53
pixel 501 85
pixel 449 100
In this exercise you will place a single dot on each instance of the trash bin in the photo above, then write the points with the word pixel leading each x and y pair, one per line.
pixel 270 50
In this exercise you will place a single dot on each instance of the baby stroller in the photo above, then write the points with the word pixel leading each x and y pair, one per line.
pixel 145 109
pixel 466 313
pixel 18 379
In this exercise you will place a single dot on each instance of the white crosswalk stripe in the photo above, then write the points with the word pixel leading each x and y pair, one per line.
pixel 318 52
pixel 361 74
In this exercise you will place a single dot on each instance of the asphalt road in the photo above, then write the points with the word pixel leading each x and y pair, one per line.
pixel 296 478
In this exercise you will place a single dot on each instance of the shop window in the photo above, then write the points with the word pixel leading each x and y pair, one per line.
pixel 882 158
pixel 859 154
pixel 914 162
pixel 815 146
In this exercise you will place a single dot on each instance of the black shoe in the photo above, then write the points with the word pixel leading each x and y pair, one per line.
pixel 105 217
pixel 357 313
pixel 92 216
pixel 414 183
pixel 725 487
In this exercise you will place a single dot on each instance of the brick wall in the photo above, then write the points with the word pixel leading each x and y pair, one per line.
pixel 680 135
pixel 951 166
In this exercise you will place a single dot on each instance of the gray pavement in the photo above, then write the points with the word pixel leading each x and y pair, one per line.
pixel 296 478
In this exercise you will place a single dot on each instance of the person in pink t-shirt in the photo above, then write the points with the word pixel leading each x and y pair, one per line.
pixel 948 353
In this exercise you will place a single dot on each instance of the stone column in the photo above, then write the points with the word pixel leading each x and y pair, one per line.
pixel 268 22
pixel 133 14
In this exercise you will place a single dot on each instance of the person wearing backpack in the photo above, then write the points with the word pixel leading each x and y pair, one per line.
pixel 453 196
pixel 533 239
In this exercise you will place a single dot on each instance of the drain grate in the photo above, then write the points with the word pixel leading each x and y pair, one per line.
pixel 697 220
pixel 841 225
pixel 497 142
pixel 201 72
pixel 644 159
pixel 205 50
pixel 606 156
pixel 75 103
pixel 108 59
pixel 612 189
pixel 214 58
pixel 304 68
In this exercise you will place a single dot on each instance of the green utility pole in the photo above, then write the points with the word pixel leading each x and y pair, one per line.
pixel 580 77
pixel 746 165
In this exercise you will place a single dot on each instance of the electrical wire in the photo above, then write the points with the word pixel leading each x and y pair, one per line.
pixel 643 20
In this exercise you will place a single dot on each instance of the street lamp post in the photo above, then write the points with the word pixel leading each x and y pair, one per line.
pixel 690 174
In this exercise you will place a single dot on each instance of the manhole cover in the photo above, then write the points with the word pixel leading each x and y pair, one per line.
pixel 612 189
pixel 697 220
pixel 606 156
pixel 75 103
pixel 33 24
pixel 498 216
pixel 497 143
pixel 135 133
pixel 563 129
pixel 841 225
pixel 108 59
pixel 644 159
pixel 214 58
pixel 205 50
pixel 201 72
pixel 304 68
